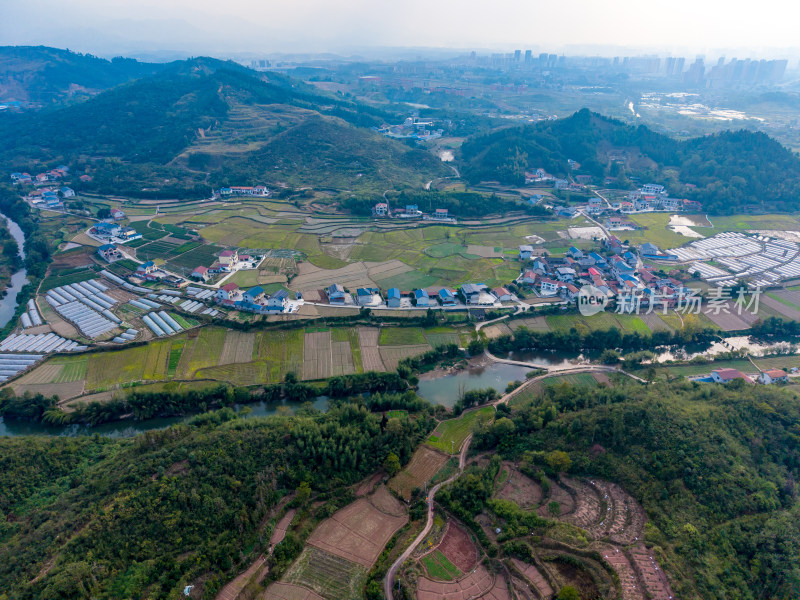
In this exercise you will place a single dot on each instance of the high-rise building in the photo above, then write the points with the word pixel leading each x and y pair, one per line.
pixel 528 57
pixel 517 55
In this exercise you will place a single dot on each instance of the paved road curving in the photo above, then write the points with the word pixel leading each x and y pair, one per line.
pixel 388 582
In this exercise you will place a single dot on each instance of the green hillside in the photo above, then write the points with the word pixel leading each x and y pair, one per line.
pixel 166 132
pixel 142 518
pixel 728 172
pixel 51 76
pixel 715 468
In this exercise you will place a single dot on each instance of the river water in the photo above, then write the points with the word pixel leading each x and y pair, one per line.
pixel 445 389
pixel 19 279
pixel 129 428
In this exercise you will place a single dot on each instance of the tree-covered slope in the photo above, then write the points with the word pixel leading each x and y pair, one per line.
pixel 715 467
pixel 728 172
pixel 50 76
pixel 142 518
pixel 207 116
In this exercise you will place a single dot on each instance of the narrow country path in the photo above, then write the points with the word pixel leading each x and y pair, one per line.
pixel 388 583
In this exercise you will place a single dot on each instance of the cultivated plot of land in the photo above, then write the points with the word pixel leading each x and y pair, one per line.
pixel 535 578
pixel 631 585
pixel 438 567
pixel 425 463
pixel 342 358
pixel 784 308
pixel 392 355
pixel 457 547
pixel 532 323
pixel 521 489
pixel 238 347
pixel 330 576
pixel 731 321
pixel 360 274
pixel 317 359
pixel 478 584
pixel 287 591
pixel 359 531
pixel 370 355
pixel 495 331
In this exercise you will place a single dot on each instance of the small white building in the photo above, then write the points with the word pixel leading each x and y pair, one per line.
pixel 773 376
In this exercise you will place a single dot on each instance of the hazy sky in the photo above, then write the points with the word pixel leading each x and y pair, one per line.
pixel 227 26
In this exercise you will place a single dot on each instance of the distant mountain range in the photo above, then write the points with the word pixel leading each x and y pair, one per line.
pixel 204 122
pixel 732 171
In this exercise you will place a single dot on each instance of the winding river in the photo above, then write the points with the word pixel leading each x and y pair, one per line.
pixel 18 280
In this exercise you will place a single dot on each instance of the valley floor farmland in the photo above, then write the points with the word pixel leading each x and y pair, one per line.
pixel 215 354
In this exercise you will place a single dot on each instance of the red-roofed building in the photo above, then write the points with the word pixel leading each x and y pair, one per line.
pixel 200 273
pixel 502 294
pixel 228 257
pixel 773 376
pixel 229 291
pixel 728 375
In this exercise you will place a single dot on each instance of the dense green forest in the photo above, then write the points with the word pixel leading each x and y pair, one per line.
pixel 728 172
pixel 143 517
pixel 715 467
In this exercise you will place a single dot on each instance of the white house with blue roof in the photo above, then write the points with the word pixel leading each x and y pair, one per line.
pixel 447 297
pixel 394 297
pixel 422 298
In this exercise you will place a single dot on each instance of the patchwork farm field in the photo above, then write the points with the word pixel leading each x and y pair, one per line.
pixel 342 548
pixel 330 577
pixel 226 356
pixel 359 531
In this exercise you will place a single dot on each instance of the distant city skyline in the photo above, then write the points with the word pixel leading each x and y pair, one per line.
pixel 370 27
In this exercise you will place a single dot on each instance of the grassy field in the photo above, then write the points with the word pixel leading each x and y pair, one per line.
pixel 204 255
pixel 73 369
pixel 48 283
pixel 743 365
pixel 440 336
pixel 600 321
pixel 449 435
pixel 654 230
pixel 401 336
pixel 574 379
pixel 439 567
pixel 747 222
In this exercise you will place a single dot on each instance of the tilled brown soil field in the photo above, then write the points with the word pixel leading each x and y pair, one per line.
pixel 370 354
pixel 359 531
pixel 457 546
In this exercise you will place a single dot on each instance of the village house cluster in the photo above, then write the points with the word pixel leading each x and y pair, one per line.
pixel 228 261
pixel 412 211
pixel 617 273
pixel 650 197
pixel 414 128
pixel 258 191
pixel 113 233
pixel 765 377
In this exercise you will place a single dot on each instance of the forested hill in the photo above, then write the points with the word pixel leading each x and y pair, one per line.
pixel 50 76
pixel 715 467
pixel 732 171
pixel 205 116
pixel 90 517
